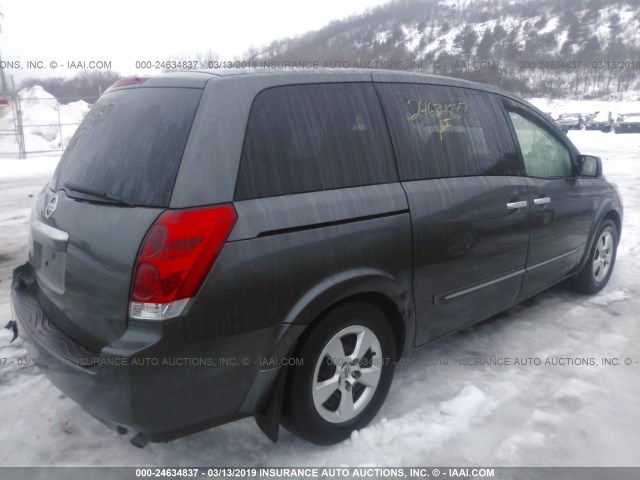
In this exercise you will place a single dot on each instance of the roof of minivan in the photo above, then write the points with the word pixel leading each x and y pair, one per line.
pixel 199 78
pixel 196 78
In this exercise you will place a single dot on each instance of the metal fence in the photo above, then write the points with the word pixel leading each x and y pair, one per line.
pixel 11 141
pixel 31 124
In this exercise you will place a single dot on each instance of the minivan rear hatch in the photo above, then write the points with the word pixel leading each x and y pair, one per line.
pixel 114 179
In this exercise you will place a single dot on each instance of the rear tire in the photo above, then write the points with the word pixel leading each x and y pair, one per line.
pixel 348 361
pixel 595 274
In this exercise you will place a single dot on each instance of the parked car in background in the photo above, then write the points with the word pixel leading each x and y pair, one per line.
pixel 587 116
pixel 627 123
pixel 602 121
pixel 221 244
pixel 570 121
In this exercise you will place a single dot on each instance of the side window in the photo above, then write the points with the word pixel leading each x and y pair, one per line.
pixel 305 138
pixel 441 131
pixel 543 154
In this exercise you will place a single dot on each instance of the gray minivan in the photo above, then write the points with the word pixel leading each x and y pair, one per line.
pixel 216 245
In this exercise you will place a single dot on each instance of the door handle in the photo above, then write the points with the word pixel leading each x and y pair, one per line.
pixel 541 201
pixel 516 205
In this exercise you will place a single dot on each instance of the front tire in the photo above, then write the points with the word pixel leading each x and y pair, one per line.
pixel 348 361
pixel 595 274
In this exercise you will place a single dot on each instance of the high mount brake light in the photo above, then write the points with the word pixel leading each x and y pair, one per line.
pixel 174 258
pixel 129 81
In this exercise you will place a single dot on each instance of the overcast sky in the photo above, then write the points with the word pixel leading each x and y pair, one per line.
pixel 123 31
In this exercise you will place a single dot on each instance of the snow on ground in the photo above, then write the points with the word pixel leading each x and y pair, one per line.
pixel 436 413
pixel 36 164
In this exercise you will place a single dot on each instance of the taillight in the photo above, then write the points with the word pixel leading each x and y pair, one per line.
pixel 176 254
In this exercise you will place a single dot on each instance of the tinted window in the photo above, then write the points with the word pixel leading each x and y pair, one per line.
pixel 441 131
pixel 304 138
pixel 543 154
pixel 130 144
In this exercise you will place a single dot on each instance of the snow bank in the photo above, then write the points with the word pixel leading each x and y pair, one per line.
pixel 48 125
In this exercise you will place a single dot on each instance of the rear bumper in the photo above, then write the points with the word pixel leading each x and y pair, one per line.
pixel 151 380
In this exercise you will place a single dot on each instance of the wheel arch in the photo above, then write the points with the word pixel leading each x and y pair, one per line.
pixel 606 211
pixel 617 221
pixel 368 285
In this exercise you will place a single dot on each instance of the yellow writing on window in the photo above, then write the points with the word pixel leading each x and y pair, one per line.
pixel 445 113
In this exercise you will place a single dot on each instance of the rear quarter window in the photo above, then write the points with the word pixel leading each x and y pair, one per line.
pixel 441 131
pixel 131 143
pixel 305 138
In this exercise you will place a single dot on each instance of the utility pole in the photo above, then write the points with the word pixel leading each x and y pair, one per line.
pixel 3 85
pixel 3 79
pixel 15 105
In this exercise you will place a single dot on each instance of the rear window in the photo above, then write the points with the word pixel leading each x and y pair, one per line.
pixel 130 144
pixel 305 138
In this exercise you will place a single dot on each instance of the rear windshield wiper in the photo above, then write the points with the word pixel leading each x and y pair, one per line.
pixel 92 194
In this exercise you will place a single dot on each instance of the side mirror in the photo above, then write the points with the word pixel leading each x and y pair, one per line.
pixel 589 166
